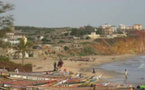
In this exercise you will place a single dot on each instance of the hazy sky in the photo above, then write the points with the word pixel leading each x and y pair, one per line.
pixel 75 13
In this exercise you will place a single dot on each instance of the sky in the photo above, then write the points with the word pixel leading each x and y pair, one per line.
pixel 76 13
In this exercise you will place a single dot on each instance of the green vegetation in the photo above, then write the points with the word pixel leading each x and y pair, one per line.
pixel 61 41
pixel 2 33
pixel 88 51
pixel 46 41
pixel 61 55
pixel 4 58
pixel 66 48
pixel 82 31
pixel 71 53
pixel 77 32
pixel 5 45
pixel 23 47
pixel 99 31
pixel 6 21
pixel 31 28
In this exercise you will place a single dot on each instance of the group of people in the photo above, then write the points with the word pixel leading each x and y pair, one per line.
pixel 58 65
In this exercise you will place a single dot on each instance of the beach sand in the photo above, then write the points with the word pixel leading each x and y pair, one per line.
pixel 84 67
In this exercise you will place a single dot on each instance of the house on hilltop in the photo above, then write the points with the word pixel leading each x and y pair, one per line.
pixel 93 35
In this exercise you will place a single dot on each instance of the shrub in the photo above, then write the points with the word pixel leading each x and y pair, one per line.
pixel 66 48
pixel 87 51
pixel 72 54
pixel 4 58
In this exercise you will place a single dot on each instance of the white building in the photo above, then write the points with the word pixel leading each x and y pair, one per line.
pixel 93 35
pixel 39 38
pixel 122 27
pixel 12 35
pixel 13 38
pixel 106 26
pixel 14 41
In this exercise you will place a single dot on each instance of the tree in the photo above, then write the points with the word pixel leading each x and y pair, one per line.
pixel 5 7
pixel 89 28
pixel 99 31
pixel 77 32
pixel 24 47
pixel 88 38
pixel 6 21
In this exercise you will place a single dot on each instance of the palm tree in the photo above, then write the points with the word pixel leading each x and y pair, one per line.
pixel 24 47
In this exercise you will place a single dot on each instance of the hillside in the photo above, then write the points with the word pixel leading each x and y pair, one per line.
pixel 116 46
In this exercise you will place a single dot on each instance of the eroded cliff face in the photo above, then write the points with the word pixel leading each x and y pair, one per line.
pixel 134 44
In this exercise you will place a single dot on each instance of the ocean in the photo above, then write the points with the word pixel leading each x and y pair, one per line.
pixel 135 67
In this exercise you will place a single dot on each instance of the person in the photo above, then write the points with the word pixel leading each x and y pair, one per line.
pixel 94 71
pixel 79 75
pixel 7 69
pixel 60 63
pixel 17 70
pixel 138 87
pixel 55 67
pixel 126 76
pixel 94 87
pixel 67 73
pixel 64 72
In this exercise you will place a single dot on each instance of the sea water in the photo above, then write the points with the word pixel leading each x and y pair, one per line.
pixel 134 66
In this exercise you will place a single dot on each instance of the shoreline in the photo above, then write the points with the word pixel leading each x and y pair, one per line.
pixel 106 73
pixel 80 66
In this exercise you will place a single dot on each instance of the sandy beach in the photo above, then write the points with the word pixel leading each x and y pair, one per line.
pixel 85 67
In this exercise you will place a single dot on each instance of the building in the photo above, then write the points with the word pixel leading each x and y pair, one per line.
pixel 93 35
pixel 13 38
pixel 105 26
pixel 39 38
pixel 122 27
pixel 137 27
pixel 14 41
pixel 12 35
pixel 108 29
pixel 134 27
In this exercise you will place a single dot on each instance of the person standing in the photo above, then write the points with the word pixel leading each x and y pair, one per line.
pixel 54 66
pixel 94 71
pixel 17 70
pixel 60 63
pixel 126 76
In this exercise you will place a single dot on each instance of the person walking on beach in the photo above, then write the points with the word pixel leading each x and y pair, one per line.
pixel 126 76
